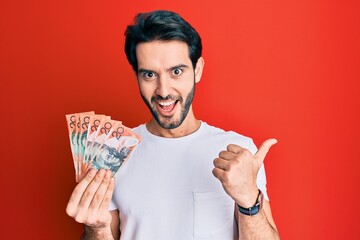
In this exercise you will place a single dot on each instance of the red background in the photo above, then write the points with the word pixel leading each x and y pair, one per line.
pixel 286 69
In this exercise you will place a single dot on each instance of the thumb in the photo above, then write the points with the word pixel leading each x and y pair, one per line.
pixel 263 150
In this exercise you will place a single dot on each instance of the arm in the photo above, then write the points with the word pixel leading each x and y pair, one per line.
pixel 261 225
pixel 89 204
pixel 90 233
pixel 237 170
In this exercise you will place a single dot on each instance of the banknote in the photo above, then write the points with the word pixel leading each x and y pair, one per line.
pixel 71 123
pixel 94 123
pixel 78 145
pixel 97 141
pixel 101 139
pixel 84 120
pixel 93 130
pixel 116 148
pixel 104 131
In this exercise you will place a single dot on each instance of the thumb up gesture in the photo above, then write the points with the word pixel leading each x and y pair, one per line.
pixel 237 170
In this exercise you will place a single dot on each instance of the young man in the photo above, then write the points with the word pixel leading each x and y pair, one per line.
pixel 186 179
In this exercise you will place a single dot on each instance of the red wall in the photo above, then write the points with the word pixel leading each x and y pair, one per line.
pixel 286 69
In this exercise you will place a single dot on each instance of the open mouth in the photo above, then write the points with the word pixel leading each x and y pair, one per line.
pixel 166 107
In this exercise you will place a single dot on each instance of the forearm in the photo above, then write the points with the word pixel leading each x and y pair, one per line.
pixel 256 227
pixel 97 234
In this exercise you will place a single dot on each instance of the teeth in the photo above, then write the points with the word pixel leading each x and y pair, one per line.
pixel 166 103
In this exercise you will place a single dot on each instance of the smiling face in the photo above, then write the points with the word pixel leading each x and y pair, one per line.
pixel 167 81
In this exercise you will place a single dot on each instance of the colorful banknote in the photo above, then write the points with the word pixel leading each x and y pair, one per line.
pixel 97 141
pixel 71 123
pixel 93 127
pixel 74 123
pixel 116 148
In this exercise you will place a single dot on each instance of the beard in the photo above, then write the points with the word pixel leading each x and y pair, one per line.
pixel 169 122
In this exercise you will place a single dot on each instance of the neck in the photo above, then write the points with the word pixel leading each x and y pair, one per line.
pixel 188 126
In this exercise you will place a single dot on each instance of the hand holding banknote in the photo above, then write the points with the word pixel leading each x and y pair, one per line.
pixel 99 146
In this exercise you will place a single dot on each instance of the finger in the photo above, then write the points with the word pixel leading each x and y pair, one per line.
pixel 226 155
pixel 79 191
pixel 108 195
pixel 234 148
pixel 263 149
pixel 218 173
pixel 101 191
pixel 91 189
pixel 221 163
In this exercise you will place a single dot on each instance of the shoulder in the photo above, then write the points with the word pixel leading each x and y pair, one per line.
pixel 229 137
pixel 139 129
pixel 219 132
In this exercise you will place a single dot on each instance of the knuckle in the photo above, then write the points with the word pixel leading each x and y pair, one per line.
pixel 225 178
pixel 98 178
pixel 230 165
pixel 215 173
pixel 70 211
pixel 233 146
pixel 98 197
pixel 88 194
pixel 106 180
pixel 246 153
pixel 222 153
pixel 107 199
pixel 78 218
pixel 236 160
pixel 89 176
pixel 90 220
pixel 76 191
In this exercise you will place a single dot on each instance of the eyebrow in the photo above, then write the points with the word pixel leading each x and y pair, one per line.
pixel 142 70
pixel 178 66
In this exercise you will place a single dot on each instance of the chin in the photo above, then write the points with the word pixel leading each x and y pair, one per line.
pixel 169 125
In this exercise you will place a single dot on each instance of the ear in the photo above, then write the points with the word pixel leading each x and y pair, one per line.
pixel 199 69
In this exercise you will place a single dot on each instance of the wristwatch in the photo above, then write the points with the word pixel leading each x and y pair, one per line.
pixel 251 211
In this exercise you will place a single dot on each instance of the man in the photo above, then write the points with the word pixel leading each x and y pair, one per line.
pixel 186 179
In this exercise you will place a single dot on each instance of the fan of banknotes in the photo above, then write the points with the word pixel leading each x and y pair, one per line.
pixel 99 142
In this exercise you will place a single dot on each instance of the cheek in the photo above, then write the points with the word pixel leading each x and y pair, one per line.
pixel 147 90
pixel 185 87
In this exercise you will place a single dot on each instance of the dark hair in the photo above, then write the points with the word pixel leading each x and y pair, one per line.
pixel 164 26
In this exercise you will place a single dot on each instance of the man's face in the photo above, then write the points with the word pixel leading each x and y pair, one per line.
pixel 166 79
pixel 109 157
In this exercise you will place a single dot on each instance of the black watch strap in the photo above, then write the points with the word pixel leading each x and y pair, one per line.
pixel 254 209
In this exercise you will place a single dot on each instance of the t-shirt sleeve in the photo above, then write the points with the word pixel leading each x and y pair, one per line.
pixel 261 177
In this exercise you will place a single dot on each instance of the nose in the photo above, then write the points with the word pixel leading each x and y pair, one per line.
pixel 163 87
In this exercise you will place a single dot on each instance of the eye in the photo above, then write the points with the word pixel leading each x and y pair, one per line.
pixel 148 75
pixel 177 72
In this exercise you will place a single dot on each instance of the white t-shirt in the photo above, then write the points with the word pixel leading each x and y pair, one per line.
pixel 166 190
